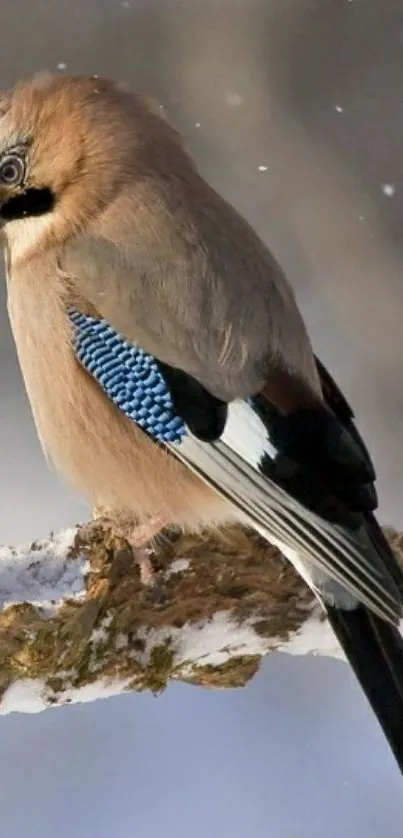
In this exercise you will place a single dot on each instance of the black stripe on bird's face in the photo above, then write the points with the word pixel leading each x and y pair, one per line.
pixel 32 202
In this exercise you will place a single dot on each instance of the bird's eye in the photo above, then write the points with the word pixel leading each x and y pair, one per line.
pixel 12 170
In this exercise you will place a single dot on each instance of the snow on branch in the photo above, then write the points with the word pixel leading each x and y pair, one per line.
pixel 77 624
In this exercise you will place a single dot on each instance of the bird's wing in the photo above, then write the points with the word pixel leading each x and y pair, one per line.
pixel 224 315
pixel 302 480
pixel 339 405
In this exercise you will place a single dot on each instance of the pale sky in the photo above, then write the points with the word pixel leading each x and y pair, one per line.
pixel 297 753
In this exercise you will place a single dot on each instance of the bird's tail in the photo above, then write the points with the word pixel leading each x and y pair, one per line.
pixel 374 650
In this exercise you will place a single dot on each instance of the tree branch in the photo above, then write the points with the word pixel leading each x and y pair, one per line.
pixel 77 624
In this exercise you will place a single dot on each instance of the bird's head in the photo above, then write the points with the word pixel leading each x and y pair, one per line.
pixel 70 144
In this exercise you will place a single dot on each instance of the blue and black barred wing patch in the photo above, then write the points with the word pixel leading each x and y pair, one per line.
pixel 129 376
pixel 234 466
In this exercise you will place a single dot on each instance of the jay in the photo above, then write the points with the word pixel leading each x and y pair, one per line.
pixel 169 370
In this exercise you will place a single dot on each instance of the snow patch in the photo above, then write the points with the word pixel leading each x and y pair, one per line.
pixel 215 642
pixel 121 641
pixel 32 696
pixel 24 697
pixel 178 566
pixel 94 691
pixel 100 634
pixel 315 637
pixel 207 643
pixel 42 574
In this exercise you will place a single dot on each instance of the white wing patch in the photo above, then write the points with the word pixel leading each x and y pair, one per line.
pixel 246 434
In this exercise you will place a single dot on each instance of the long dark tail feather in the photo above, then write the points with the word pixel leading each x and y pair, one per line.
pixel 374 650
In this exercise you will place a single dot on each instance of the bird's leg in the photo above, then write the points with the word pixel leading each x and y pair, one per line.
pixel 137 536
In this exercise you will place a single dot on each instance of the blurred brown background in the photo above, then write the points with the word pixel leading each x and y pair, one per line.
pixel 293 109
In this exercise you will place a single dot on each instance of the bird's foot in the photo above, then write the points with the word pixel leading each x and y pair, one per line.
pixel 138 537
pixel 143 559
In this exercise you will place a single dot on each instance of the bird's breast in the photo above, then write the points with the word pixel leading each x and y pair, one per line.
pixel 86 437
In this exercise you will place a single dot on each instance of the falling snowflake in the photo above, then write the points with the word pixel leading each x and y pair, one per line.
pixel 388 189
pixel 233 99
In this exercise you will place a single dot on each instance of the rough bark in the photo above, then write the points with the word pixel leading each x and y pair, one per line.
pixel 77 624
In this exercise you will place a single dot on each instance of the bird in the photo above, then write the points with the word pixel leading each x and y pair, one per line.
pixel 170 373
